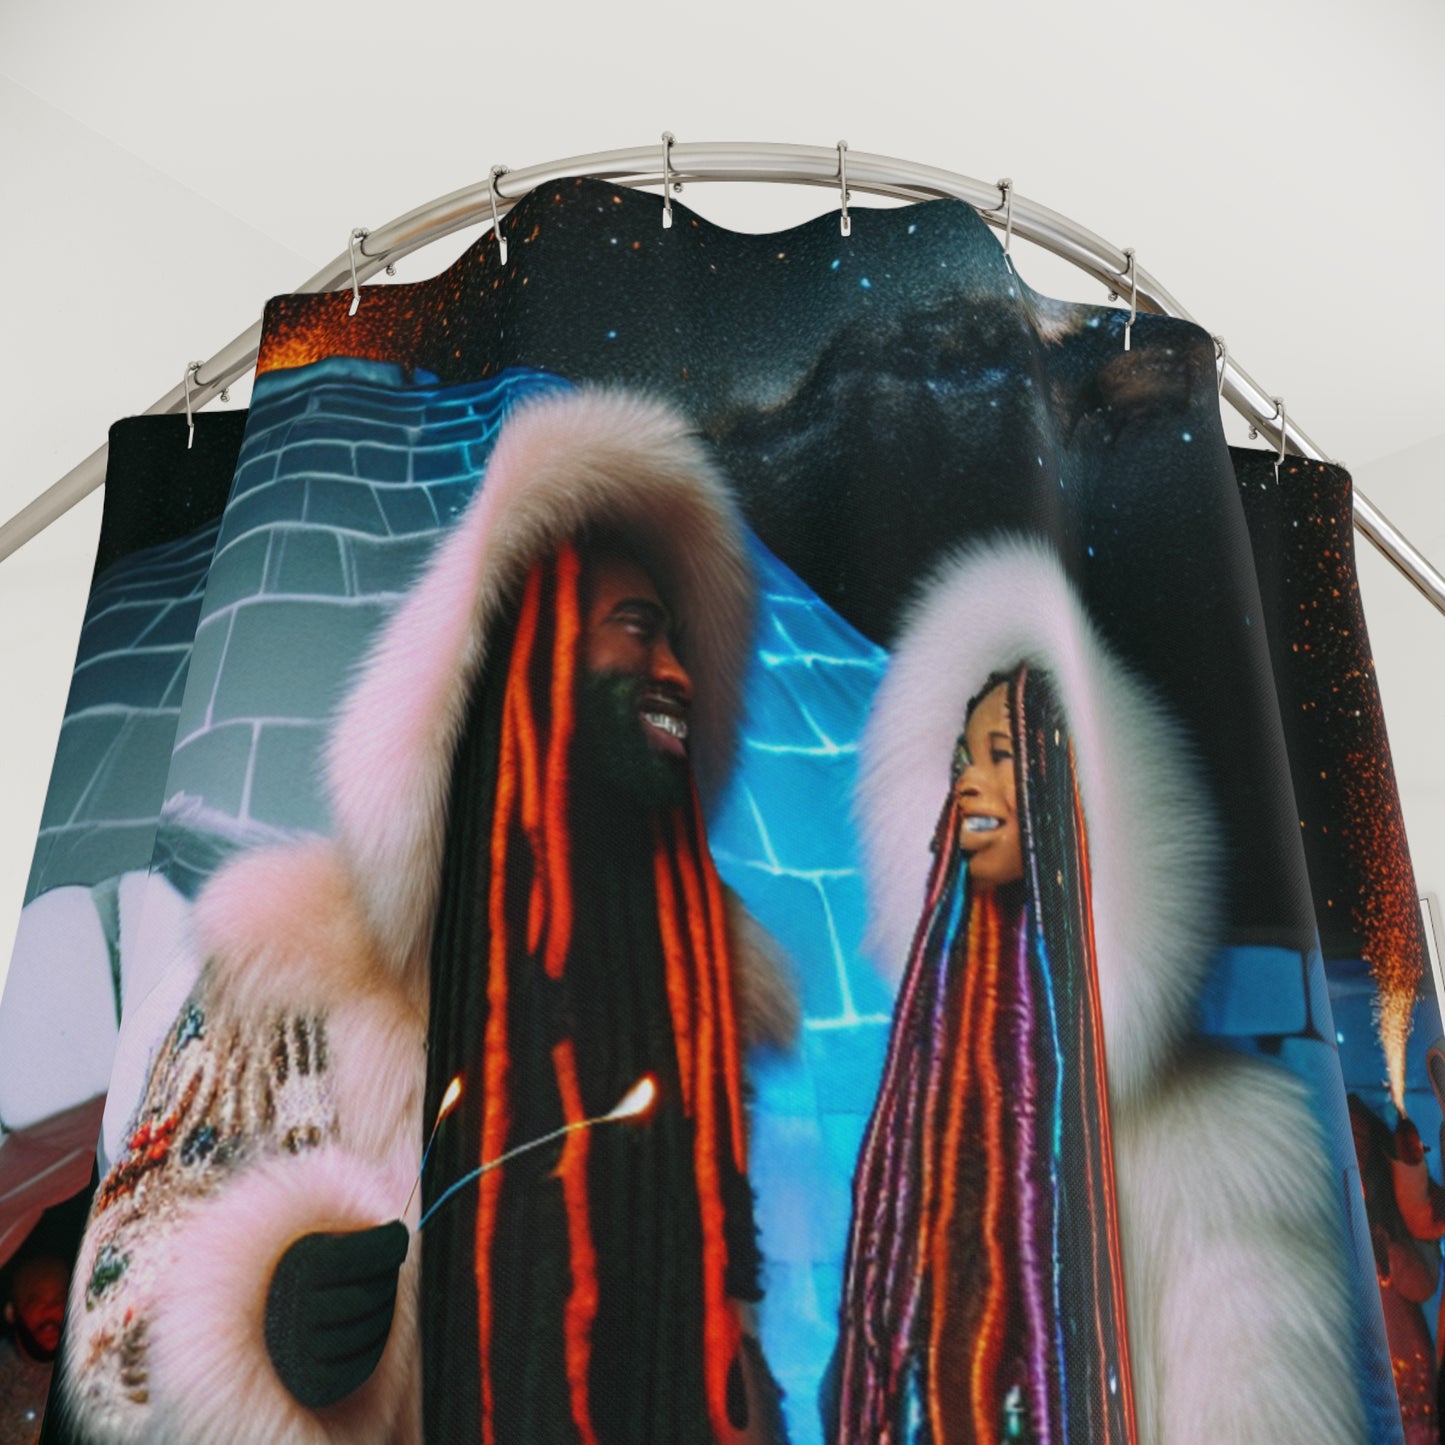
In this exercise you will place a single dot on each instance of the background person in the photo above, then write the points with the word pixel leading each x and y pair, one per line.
pixel 34 1313
pixel 1408 1269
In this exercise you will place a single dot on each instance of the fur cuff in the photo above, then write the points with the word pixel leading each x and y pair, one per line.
pixel 211 1377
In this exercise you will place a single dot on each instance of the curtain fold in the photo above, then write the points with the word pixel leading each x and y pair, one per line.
pixel 66 985
pixel 824 497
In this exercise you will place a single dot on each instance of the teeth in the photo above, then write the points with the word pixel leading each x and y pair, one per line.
pixel 665 722
pixel 981 825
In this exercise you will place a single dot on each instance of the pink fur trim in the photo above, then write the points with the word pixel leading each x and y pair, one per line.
pixel 211 1378
pixel 282 931
pixel 281 928
pixel 1152 843
pixel 560 463
pixel 767 1000
pixel 378 1051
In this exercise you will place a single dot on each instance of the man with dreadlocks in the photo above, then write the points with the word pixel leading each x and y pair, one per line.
pixel 518 895
pixel 582 945
pixel 1068 1217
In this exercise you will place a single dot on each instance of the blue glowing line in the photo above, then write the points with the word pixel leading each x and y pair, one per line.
pixel 811 659
pixel 490 1164
pixel 1055 1158
pixel 826 749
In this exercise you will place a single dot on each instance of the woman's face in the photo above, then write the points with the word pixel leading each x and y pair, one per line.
pixel 987 794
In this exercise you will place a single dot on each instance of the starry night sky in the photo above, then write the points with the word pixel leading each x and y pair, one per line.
pixel 158 489
pixel 881 398
pixel 1350 819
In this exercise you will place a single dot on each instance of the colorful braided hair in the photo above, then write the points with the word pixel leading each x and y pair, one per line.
pixel 582 1293
pixel 983 1295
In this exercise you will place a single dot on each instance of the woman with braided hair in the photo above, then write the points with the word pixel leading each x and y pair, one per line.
pixel 1060 1230
pixel 987 1180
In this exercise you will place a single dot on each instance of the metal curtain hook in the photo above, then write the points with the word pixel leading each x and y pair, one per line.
pixel 359 234
pixel 1131 275
pixel 845 224
pixel 1221 355
pixel 1006 189
pixel 668 185
pixel 1280 417
pixel 496 219
pixel 192 374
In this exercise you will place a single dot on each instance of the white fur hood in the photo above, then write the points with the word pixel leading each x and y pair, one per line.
pixel 1153 850
pixel 561 462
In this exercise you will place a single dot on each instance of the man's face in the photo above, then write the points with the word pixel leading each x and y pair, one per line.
pixel 40 1307
pixel 987 793
pixel 636 695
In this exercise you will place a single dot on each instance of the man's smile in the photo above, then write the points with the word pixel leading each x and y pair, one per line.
pixel 665 721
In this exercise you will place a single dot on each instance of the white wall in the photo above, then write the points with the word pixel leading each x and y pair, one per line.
pixel 165 168
pixel 1408 638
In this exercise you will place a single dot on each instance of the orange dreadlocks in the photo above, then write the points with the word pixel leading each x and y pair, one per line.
pixel 594 956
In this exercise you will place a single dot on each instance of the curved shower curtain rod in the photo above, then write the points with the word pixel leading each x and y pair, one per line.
pixel 726 161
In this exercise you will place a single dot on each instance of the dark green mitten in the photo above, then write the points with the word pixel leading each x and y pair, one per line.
pixel 329 1309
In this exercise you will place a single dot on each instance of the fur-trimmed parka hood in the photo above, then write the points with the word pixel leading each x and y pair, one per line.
pixel 1153 851
pixel 574 460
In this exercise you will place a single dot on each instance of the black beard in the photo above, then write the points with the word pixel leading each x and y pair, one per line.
pixel 30 1347
pixel 611 748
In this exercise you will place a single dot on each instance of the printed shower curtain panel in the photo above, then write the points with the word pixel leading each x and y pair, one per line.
pixel 66 991
pixel 803 792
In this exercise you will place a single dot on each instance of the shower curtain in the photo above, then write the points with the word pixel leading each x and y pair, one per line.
pixel 1005 889
pixel 65 989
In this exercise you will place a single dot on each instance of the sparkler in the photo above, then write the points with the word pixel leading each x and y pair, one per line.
pixel 449 1102
pixel 634 1104
pixel 1387 911
pixel 1393 1020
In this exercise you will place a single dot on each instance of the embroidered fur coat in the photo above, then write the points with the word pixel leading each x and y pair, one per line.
pixel 287 1096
